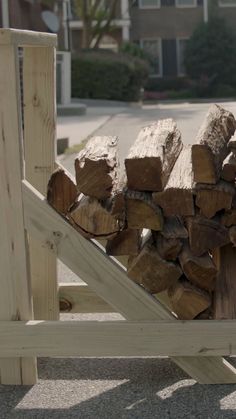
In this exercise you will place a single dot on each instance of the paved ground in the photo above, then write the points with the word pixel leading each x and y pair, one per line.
pixel 144 388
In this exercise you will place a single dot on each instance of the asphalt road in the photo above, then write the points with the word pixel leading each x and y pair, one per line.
pixel 144 388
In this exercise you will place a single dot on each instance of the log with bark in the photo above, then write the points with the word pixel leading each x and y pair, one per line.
pixel 152 156
pixel 177 197
pixel 229 168
pixel 96 167
pixel 205 234
pixel 211 149
pixel 187 300
pixel 62 191
pixel 93 219
pixel 213 198
pixel 141 211
pixel 200 270
pixel 126 242
pixel 168 249
pixel 151 271
pixel 174 228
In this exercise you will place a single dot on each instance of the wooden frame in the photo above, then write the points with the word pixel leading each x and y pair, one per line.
pixel 23 207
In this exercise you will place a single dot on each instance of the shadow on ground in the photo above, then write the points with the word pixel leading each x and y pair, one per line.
pixel 116 388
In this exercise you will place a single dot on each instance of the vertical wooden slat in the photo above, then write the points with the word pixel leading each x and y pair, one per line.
pixel 39 138
pixel 15 291
pixel 225 292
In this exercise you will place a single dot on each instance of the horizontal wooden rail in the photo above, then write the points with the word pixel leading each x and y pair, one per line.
pixel 79 298
pixel 27 38
pixel 121 338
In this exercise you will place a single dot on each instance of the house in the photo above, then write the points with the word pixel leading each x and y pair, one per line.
pixel 162 27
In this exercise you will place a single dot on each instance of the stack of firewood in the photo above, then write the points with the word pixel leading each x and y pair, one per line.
pixel 169 210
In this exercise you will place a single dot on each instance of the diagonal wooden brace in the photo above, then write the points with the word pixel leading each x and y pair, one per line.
pixel 109 280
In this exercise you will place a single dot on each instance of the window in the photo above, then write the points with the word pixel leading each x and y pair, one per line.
pixel 227 3
pixel 149 4
pixel 186 3
pixel 180 46
pixel 153 49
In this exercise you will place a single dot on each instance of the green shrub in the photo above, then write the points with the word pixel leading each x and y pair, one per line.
pixel 107 75
pixel 210 54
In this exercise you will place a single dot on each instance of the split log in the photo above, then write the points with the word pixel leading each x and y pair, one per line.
pixel 187 300
pixel 200 270
pixel 225 292
pixel 62 191
pixel 177 197
pixel 151 271
pixel 206 314
pixel 205 234
pixel 232 235
pixel 152 156
pixel 213 198
pixel 229 218
pixel 92 219
pixel 211 148
pixel 96 167
pixel 232 144
pixel 142 212
pixel 127 242
pixel 174 228
pixel 168 249
pixel 229 168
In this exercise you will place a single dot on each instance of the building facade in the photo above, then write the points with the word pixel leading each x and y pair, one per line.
pixel 161 27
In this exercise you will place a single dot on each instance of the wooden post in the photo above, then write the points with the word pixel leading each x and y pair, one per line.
pixel 225 291
pixel 15 292
pixel 39 139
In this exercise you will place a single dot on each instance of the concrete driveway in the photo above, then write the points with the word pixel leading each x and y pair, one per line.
pixel 143 388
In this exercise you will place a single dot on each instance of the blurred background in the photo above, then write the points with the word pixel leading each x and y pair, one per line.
pixel 128 50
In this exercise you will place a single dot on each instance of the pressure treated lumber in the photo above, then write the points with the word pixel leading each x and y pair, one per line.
pixel 152 156
pixel 213 198
pixel 225 292
pixel 15 289
pixel 211 148
pixel 126 242
pixel 177 197
pixel 92 219
pixel 229 168
pixel 151 271
pixel 141 211
pixel 205 234
pixel 79 298
pixel 187 300
pixel 119 338
pixel 174 228
pixel 229 218
pixel 200 270
pixel 39 90
pixel 62 191
pixel 168 249
pixel 96 167
pixel 9 36
pixel 109 280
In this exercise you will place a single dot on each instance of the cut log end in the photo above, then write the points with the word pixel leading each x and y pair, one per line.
pixel 188 301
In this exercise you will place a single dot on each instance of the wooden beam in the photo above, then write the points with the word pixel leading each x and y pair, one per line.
pixel 15 291
pixel 109 280
pixel 120 338
pixel 27 38
pixel 39 138
pixel 79 298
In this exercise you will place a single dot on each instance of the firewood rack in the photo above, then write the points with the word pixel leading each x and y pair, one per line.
pixel 33 236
